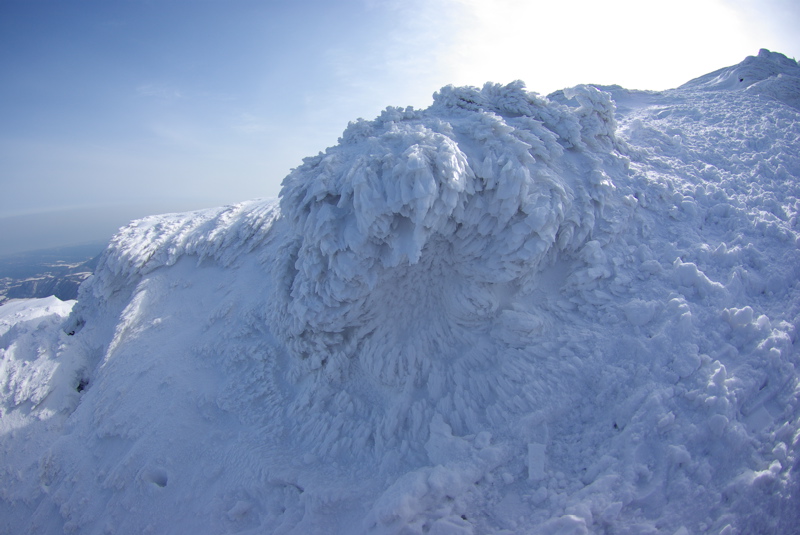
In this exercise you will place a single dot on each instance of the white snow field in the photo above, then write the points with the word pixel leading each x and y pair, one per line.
pixel 502 314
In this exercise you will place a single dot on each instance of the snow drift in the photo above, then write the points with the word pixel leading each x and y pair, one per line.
pixel 770 74
pixel 504 313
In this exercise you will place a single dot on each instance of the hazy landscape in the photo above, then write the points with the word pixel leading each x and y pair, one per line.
pixel 41 273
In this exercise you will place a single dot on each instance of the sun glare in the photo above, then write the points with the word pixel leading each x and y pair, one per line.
pixel 627 42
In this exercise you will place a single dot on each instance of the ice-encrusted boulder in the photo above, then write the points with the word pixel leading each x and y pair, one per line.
pixel 408 237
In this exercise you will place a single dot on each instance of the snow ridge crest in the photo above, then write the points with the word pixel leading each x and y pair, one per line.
pixel 769 74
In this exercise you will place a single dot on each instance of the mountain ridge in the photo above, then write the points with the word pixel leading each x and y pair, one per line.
pixel 505 313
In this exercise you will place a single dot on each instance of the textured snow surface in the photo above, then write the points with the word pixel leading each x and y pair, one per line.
pixel 503 314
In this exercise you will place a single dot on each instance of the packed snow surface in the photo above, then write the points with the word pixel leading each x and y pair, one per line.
pixel 502 314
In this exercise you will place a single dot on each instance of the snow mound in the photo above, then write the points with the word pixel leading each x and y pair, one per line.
pixel 27 374
pixel 502 314
pixel 408 237
pixel 769 73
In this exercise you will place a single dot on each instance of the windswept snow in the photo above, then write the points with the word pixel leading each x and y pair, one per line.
pixel 770 74
pixel 503 314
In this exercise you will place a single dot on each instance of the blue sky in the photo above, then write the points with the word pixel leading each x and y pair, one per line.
pixel 119 108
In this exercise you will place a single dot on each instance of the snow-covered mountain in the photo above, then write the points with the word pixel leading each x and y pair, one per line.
pixel 42 273
pixel 502 314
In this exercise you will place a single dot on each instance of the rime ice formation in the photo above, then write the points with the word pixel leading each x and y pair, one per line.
pixel 409 241
pixel 502 314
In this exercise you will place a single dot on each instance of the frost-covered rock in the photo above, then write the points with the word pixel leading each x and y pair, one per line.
pixel 409 237
pixel 505 313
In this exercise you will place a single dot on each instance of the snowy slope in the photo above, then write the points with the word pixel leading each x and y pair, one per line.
pixel 502 314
